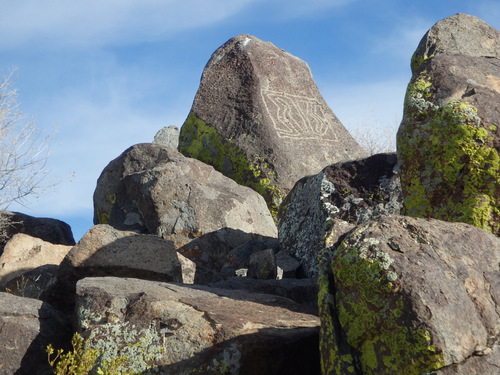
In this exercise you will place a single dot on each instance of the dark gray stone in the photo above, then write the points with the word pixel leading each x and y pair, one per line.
pixel 154 189
pixel 407 295
pixel 27 326
pixel 262 265
pixel 323 207
pixel 449 139
pixel 259 118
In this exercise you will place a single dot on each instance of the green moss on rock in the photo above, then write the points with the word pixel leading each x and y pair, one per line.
pixel 201 141
pixel 372 315
pixel 449 167
pixel 103 216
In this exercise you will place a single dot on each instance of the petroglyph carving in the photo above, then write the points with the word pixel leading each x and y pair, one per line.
pixel 296 116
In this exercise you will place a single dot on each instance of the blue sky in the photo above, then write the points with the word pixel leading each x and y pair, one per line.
pixel 110 74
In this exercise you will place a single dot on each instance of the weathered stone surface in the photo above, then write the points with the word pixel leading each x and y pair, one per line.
pixel 239 257
pixel 321 208
pixel 105 251
pixel 154 189
pixel 262 265
pixel 460 34
pixel 24 253
pixel 168 136
pixel 287 265
pixel 449 140
pixel 50 230
pixel 259 118
pixel 407 295
pixel 27 326
pixel 302 291
pixel 33 283
pixel 210 252
pixel 202 330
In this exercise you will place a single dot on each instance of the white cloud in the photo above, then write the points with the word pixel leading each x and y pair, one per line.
pixel 97 22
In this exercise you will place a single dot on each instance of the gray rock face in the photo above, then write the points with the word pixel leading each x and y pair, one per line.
pixel 168 136
pixel 201 330
pixel 449 140
pixel 407 295
pixel 262 265
pixel 27 326
pixel 259 118
pixel 23 253
pixel 154 189
pixel 50 230
pixel 461 34
pixel 214 253
pixel 323 207
pixel 105 251
pixel 239 257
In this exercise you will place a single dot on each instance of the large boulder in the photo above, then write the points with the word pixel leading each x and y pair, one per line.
pixel 403 295
pixel 259 118
pixel 201 330
pixel 50 230
pixel 151 188
pixel 449 140
pixel 321 208
pixel 27 326
pixel 24 253
pixel 105 251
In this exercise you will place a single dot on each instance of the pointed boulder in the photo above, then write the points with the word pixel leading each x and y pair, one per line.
pixel 259 118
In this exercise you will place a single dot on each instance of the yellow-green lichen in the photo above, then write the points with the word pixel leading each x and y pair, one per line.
pixel 103 216
pixel 449 167
pixel 333 360
pixel 373 315
pixel 417 60
pixel 201 141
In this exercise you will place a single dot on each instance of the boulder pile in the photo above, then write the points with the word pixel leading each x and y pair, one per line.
pixel 381 264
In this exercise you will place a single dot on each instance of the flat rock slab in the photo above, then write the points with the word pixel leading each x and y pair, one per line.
pixel 200 327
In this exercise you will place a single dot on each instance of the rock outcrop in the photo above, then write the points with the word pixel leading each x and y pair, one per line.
pixel 449 140
pixel 217 254
pixel 201 330
pixel 23 253
pixel 321 208
pixel 27 326
pixel 50 230
pixel 154 189
pixel 259 118
pixel 394 294
pixel 407 295
pixel 105 251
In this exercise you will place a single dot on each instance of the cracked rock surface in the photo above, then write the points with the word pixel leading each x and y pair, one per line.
pixel 405 294
pixel 196 325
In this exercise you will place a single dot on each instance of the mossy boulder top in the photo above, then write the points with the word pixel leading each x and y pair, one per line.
pixel 259 118
pixel 449 140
